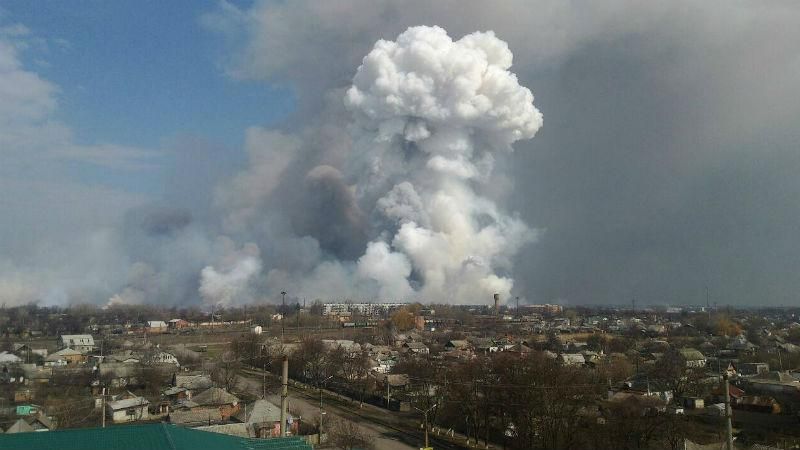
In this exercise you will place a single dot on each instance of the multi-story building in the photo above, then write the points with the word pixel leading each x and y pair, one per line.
pixel 362 309
pixel 83 343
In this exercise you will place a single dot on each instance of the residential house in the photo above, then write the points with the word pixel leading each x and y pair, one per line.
pixel 752 369
pixel 124 357
pixel 23 395
pixel 504 343
pixel 347 345
pixel 772 383
pixel 416 347
pixel 572 359
pixel 643 385
pixel 457 355
pixel 485 345
pixel 20 426
pixel 157 356
pixel 693 358
pixel 214 405
pixel 128 410
pixel 263 420
pixel 9 359
pixel 37 374
pixel 83 343
pixel 24 351
pixel 65 357
pixel 457 345
pixel 520 349
pixel 758 403
pixel 156 326
pixel 177 324
pixel 40 422
pixel 184 386
pixel 742 346
pixel 735 394
pixel 383 364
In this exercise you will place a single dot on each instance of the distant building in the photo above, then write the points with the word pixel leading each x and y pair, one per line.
pixel 83 343
pixel 65 357
pixel 416 347
pixel 128 410
pixel 161 357
pixel 156 326
pixel 694 359
pixel 363 309
pixel 457 345
pixel 572 359
pixel 752 369
pixel 9 359
pixel 178 324
pixel 542 309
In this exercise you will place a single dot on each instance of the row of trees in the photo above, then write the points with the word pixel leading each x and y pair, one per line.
pixel 536 403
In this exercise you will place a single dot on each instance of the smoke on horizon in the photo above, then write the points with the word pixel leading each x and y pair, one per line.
pixel 668 164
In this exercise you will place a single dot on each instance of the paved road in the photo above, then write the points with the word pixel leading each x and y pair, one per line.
pixel 300 403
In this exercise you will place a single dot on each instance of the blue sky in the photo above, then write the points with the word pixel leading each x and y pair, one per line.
pixel 141 74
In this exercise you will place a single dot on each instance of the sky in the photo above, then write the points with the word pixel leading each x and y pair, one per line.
pixel 206 152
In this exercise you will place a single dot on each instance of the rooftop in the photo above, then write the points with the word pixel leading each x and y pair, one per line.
pixel 142 437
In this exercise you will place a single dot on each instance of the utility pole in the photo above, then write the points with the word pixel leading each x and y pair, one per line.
pixel 264 383
pixel 283 313
pixel 728 425
pixel 425 413
pixel 321 412
pixel 284 394
pixel 388 396
pixel 104 406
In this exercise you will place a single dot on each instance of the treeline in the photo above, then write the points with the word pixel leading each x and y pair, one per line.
pixel 81 318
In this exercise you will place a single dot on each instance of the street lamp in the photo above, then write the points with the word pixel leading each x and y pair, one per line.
pixel 321 412
pixel 425 412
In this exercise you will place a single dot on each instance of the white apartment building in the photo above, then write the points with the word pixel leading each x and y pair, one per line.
pixel 363 309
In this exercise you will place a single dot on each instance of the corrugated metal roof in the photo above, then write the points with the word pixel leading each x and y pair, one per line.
pixel 143 437
pixel 128 403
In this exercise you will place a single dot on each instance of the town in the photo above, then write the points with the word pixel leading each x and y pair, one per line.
pixel 408 375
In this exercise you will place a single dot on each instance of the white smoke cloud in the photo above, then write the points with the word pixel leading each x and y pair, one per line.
pixel 230 282
pixel 428 114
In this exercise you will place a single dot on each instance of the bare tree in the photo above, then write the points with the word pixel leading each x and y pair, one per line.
pixel 226 372
pixel 346 435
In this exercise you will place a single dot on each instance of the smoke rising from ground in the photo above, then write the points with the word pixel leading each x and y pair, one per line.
pixel 668 164
pixel 400 217
pixel 430 113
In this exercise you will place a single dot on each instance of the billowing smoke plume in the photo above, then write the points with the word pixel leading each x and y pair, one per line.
pixel 384 195
pixel 429 114
pixel 391 210
pixel 230 282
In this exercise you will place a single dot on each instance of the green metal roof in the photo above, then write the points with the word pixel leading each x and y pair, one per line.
pixel 159 436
